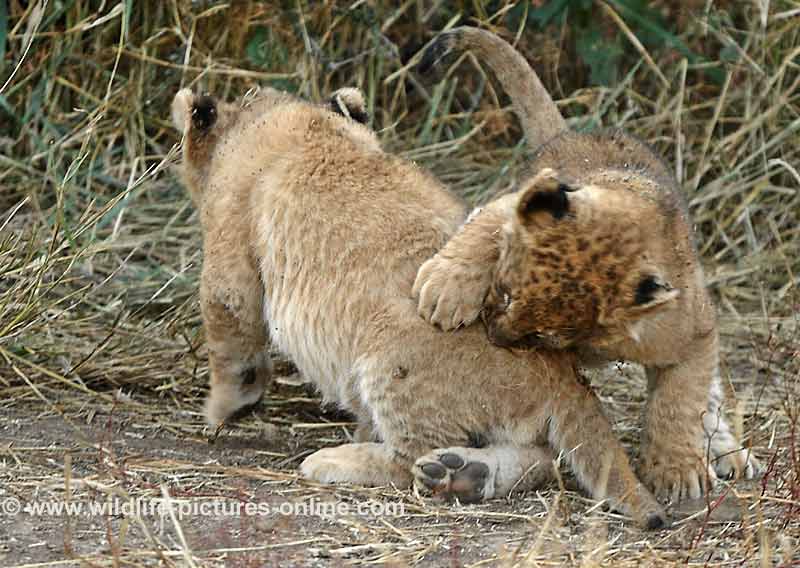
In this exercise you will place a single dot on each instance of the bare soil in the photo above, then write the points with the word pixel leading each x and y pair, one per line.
pixel 120 453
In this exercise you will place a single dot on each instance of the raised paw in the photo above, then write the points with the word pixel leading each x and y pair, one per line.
pixel 450 294
pixel 674 478
pixel 450 475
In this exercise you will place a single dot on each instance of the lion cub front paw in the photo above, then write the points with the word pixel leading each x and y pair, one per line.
pixel 232 393
pixel 450 294
pixel 328 465
pixel 448 474
pixel 677 477
pixel 365 463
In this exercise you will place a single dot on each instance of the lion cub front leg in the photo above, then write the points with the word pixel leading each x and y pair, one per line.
pixel 579 430
pixel 450 287
pixel 231 299
pixel 673 456
pixel 687 442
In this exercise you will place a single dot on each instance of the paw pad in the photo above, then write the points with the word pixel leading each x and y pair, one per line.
pixel 433 471
pixel 451 461
pixel 450 476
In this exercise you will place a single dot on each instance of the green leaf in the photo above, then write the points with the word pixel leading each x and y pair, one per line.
pixel 127 17
pixel 648 27
pixel 254 51
pixel 264 51
pixel 660 35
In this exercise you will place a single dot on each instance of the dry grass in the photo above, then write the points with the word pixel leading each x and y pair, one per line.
pixel 102 366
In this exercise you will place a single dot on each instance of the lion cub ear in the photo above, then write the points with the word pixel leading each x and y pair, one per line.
pixel 651 293
pixel 544 200
pixel 350 103
pixel 199 111
pixel 648 296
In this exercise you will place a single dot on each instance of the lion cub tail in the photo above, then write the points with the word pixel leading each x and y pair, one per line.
pixel 536 110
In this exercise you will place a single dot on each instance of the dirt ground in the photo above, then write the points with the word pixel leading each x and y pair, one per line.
pixel 140 450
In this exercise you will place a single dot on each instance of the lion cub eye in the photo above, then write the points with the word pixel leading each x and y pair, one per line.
pixel 502 292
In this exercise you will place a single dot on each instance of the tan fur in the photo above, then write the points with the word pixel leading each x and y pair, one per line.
pixel 560 262
pixel 315 234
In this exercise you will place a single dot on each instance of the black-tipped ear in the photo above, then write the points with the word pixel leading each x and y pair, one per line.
pixel 551 201
pixel 362 117
pixel 651 291
pixel 436 51
pixel 204 112
pixel 349 102
pixel 646 290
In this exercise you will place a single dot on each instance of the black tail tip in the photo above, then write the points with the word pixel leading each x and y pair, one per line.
pixel 204 112
pixel 436 51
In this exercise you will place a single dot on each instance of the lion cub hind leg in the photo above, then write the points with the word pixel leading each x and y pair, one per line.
pixel 729 459
pixel 474 474
pixel 367 463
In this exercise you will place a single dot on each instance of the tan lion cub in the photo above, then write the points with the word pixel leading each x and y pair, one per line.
pixel 593 252
pixel 313 236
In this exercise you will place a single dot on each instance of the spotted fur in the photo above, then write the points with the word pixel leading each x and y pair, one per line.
pixel 607 269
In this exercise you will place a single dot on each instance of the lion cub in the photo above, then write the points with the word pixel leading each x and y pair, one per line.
pixel 312 236
pixel 593 252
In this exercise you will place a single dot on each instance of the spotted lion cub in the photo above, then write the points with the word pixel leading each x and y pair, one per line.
pixel 312 236
pixel 593 252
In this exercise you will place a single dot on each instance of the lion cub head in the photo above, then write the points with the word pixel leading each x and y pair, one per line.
pixel 204 121
pixel 575 267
